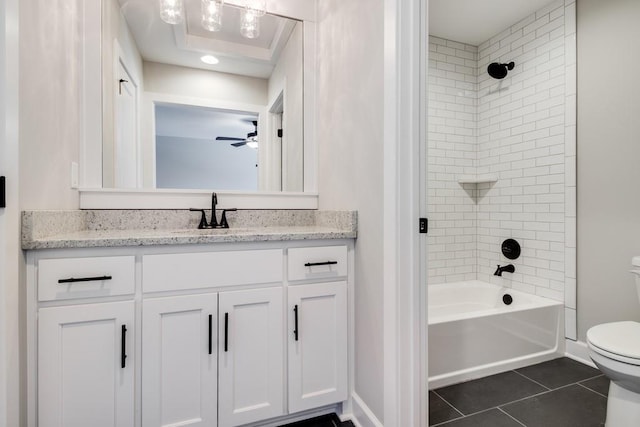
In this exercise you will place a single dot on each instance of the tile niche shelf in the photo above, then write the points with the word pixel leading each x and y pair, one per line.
pixel 477 179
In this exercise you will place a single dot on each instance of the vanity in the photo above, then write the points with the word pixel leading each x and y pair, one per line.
pixel 172 326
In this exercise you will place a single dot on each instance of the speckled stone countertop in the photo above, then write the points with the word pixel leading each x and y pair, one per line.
pixel 113 228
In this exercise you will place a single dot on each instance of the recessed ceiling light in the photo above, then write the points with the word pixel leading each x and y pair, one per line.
pixel 209 59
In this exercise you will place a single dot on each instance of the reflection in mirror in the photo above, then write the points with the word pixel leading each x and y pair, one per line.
pixel 201 148
pixel 148 64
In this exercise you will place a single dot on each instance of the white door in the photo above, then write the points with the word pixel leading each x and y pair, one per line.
pixel 317 342
pixel 126 130
pixel 251 384
pixel 179 361
pixel 85 365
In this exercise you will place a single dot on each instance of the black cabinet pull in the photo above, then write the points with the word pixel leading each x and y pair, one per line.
pixel 85 279
pixel 210 332
pixel 295 322
pixel 123 353
pixel 226 332
pixel 313 264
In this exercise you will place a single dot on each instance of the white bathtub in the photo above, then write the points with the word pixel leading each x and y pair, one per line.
pixel 473 333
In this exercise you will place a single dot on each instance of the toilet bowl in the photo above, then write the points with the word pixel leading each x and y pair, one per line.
pixel 615 349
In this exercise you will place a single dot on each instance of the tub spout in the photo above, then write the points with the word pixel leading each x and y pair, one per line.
pixel 509 268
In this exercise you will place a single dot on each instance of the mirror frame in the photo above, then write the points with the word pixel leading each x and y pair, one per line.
pixel 93 196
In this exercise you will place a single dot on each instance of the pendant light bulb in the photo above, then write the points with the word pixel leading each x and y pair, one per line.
pixel 250 21
pixel 212 14
pixel 172 11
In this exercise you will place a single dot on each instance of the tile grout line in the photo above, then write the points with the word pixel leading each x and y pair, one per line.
pixel 510 416
pixel 599 394
pixel 447 402
pixel 532 380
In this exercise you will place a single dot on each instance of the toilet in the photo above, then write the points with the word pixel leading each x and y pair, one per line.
pixel 615 349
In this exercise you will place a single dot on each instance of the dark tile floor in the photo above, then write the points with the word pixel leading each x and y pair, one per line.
pixel 330 420
pixel 558 393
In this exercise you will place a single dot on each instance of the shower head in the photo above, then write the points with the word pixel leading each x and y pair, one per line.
pixel 499 71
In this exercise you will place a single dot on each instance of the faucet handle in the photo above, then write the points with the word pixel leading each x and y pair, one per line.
pixel 203 219
pixel 223 220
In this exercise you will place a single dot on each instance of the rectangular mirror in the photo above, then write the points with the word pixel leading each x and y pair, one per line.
pixel 150 67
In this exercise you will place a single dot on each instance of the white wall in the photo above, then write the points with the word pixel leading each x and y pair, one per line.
pixel 49 103
pixel 287 79
pixel 115 32
pixel 196 163
pixel 350 145
pixel 192 82
pixel 608 153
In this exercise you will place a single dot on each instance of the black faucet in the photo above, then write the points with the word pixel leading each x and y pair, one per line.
pixel 509 268
pixel 214 222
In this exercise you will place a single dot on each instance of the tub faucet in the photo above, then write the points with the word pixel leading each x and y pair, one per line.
pixel 509 268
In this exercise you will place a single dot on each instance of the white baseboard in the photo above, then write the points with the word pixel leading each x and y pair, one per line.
pixel 362 416
pixel 578 351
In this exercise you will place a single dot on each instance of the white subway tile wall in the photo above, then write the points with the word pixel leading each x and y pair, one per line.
pixel 452 144
pixel 520 130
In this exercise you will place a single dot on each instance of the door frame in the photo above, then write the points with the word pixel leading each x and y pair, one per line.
pixel 405 291
pixel 11 409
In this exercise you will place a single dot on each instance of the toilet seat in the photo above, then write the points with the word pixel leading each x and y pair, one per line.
pixel 618 341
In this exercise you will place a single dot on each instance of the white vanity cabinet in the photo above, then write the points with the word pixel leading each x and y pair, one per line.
pixel 180 360
pixel 217 335
pixel 317 345
pixel 317 319
pixel 251 331
pixel 86 365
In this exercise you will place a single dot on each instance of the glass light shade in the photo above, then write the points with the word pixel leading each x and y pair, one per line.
pixel 212 14
pixel 172 11
pixel 250 24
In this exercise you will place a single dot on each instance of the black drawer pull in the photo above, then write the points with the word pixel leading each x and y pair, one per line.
pixel 295 326
pixel 123 347
pixel 210 334
pixel 313 264
pixel 85 279
pixel 226 332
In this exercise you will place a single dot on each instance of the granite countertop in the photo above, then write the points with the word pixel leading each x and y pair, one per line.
pixel 114 228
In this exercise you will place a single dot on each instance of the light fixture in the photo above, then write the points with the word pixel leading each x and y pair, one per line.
pixel 250 21
pixel 252 142
pixel 209 59
pixel 172 11
pixel 212 14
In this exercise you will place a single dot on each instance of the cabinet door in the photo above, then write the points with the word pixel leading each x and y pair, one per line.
pixel 179 361
pixel 317 342
pixel 251 365
pixel 85 365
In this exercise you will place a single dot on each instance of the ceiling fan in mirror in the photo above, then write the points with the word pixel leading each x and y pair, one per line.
pixel 251 140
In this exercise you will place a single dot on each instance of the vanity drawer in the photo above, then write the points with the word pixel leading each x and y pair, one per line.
pixel 69 278
pixel 170 272
pixel 317 263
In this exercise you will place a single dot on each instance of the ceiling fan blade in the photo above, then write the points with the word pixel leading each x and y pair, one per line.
pixel 239 144
pixel 228 138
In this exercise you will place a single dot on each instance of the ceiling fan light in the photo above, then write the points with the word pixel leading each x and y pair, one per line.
pixel 212 14
pixel 172 11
